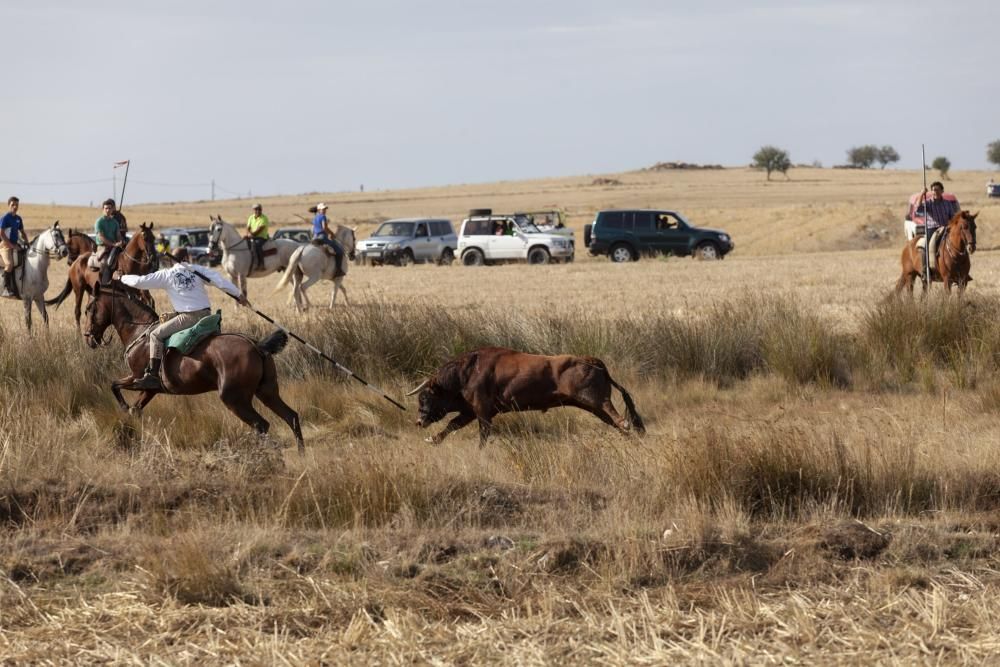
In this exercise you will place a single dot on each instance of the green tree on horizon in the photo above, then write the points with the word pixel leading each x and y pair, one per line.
pixel 772 158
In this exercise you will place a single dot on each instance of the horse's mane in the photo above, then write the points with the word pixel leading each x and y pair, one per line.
pixel 130 295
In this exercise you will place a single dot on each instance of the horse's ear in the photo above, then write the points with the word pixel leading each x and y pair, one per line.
pixel 55 225
pixel 975 215
pixel 151 223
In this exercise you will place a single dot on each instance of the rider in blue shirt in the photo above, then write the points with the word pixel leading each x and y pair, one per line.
pixel 321 232
pixel 11 226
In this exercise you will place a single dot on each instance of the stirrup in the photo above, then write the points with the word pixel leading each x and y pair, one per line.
pixel 147 381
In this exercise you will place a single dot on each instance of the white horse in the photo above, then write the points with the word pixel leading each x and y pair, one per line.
pixel 236 253
pixel 33 277
pixel 317 264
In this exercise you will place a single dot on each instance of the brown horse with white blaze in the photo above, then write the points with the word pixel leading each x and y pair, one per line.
pixel 953 263
pixel 232 364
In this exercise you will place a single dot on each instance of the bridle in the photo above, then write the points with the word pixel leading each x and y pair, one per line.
pixel 963 246
pixel 115 292
pixel 215 239
pixel 151 258
pixel 54 253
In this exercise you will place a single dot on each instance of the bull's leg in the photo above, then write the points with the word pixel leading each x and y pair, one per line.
pixel 458 422
pixel 485 426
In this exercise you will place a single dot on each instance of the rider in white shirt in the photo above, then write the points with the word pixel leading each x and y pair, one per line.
pixel 190 302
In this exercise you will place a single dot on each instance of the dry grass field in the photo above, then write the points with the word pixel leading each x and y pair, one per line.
pixel 820 482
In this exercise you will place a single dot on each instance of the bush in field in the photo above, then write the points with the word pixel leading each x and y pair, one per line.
pixel 862 157
pixel 942 164
pixel 993 152
pixel 772 158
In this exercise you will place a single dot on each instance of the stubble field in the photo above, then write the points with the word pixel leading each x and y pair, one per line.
pixel 820 481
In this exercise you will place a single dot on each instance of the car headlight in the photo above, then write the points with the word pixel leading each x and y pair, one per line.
pixel 724 238
pixel 560 243
pixel 392 246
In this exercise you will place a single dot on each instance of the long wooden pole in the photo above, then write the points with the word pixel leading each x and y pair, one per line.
pixel 923 202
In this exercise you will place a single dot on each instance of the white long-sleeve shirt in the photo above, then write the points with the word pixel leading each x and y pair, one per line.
pixel 185 289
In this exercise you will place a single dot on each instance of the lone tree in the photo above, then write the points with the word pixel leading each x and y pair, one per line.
pixel 772 158
pixel 862 157
pixel 993 152
pixel 942 164
pixel 886 155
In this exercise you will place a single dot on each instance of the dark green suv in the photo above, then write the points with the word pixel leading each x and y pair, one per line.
pixel 626 235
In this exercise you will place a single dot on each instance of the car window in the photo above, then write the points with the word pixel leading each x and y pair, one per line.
pixel 421 229
pixel 478 227
pixel 644 221
pixel 440 228
pixel 199 238
pixel 394 229
pixel 666 221
pixel 613 220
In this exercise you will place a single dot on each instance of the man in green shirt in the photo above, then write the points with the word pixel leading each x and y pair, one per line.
pixel 109 242
pixel 257 232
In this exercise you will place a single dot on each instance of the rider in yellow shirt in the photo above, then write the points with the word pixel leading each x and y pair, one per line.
pixel 257 231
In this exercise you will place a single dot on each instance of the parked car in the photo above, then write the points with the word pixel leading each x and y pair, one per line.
pixel 625 235
pixel 407 240
pixel 489 238
pixel 195 240
pixel 298 234
pixel 994 190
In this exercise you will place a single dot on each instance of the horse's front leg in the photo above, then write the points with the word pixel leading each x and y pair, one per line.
pixel 116 389
pixel 43 311
pixel 144 399
pixel 27 313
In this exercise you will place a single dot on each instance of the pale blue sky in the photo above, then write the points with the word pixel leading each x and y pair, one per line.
pixel 283 98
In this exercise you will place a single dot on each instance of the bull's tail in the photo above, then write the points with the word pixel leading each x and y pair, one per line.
pixel 59 298
pixel 630 412
pixel 274 343
pixel 290 270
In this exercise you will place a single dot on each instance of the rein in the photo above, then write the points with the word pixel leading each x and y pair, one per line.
pixel 113 292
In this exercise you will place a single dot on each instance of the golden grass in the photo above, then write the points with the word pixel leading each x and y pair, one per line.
pixel 813 487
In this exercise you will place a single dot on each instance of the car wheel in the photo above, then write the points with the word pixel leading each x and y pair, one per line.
pixel 406 258
pixel 707 251
pixel 473 257
pixel 621 253
pixel 447 257
pixel 538 255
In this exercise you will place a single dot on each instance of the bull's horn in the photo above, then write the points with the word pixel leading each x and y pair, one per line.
pixel 419 387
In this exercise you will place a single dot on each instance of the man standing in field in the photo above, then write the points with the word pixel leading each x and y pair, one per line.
pixel 321 232
pixel 11 231
pixel 109 241
pixel 257 232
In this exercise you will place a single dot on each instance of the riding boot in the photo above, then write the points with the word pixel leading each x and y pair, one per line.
pixel 151 378
pixel 339 271
pixel 8 284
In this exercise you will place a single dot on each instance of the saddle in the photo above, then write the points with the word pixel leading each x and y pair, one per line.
pixel 185 340
pixel 257 257
pixel 935 242
pixel 319 243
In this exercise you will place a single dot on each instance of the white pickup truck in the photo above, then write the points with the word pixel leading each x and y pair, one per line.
pixel 491 239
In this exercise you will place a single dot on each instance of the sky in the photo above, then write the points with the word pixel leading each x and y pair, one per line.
pixel 267 98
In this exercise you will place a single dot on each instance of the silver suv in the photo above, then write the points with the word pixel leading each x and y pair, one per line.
pixel 407 240
pixel 490 238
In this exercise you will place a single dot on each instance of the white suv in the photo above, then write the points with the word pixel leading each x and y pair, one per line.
pixel 488 239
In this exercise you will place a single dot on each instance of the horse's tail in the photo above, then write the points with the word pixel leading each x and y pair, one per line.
pixel 59 298
pixel 274 343
pixel 630 412
pixel 290 270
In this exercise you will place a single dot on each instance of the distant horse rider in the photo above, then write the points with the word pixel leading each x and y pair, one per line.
pixel 110 241
pixel 321 232
pixel 257 232
pixel 12 234
pixel 190 303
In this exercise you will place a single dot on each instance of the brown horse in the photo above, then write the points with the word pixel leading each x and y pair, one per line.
pixel 138 257
pixel 956 245
pixel 234 365
pixel 78 243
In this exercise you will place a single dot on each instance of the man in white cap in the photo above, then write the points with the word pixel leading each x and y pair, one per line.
pixel 321 232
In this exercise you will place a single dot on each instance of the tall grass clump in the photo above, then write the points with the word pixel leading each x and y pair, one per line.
pixel 900 339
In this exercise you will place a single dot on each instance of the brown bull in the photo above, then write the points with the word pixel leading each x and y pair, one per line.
pixel 481 384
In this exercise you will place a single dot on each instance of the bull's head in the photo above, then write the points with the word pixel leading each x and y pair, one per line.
pixel 434 405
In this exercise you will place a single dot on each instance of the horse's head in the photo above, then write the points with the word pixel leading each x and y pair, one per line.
pixel 347 239
pixel 52 241
pixel 77 244
pixel 963 225
pixel 140 252
pixel 214 234
pixel 98 316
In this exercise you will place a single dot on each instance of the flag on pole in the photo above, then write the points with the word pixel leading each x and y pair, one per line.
pixel 123 162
